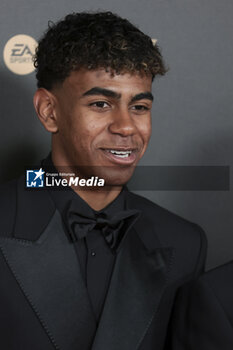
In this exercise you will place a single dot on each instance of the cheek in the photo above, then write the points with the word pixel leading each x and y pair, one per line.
pixel 84 133
pixel 144 129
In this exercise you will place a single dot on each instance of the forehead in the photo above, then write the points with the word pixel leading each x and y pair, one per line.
pixel 83 80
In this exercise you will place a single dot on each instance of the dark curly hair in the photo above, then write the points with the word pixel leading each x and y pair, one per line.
pixel 92 41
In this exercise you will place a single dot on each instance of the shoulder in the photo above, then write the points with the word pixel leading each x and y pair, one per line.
pixel 24 213
pixel 186 238
pixel 174 227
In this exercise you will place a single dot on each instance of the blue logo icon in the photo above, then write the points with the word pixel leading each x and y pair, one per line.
pixel 35 178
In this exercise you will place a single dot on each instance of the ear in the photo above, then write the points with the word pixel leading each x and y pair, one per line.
pixel 44 103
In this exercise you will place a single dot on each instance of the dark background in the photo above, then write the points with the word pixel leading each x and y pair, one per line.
pixel 192 112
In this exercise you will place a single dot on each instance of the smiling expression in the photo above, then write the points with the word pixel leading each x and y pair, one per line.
pixel 103 123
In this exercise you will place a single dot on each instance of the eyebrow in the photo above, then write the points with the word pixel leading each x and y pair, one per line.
pixel 143 95
pixel 110 93
pixel 101 91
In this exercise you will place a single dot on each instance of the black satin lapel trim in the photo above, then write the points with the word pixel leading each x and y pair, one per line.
pixel 138 281
pixel 144 225
pixel 49 275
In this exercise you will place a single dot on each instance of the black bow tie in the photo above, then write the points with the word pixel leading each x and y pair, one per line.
pixel 112 228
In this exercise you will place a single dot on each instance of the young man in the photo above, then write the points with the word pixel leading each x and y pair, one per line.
pixel 203 316
pixel 94 269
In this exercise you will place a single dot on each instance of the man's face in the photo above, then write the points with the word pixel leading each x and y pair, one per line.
pixel 104 122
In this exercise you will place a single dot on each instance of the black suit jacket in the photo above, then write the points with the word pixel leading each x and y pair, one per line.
pixel 203 316
pixel 43 300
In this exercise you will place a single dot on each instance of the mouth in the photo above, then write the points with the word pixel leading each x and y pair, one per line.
pixel 120 155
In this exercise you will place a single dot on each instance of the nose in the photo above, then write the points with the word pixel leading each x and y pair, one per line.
pixel 122 123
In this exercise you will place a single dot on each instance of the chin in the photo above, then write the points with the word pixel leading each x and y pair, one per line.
pixel 112 175
pixel 116 176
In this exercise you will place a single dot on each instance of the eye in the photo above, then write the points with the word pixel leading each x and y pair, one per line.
pixel 99 104
pixel 140 108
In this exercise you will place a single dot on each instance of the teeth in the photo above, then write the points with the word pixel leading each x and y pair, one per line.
pixel 122 154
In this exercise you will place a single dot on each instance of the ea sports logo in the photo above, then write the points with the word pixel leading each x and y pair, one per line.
pixel 18 53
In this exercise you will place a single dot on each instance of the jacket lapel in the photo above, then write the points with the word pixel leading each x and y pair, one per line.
pixel 138 281
pixel 49 275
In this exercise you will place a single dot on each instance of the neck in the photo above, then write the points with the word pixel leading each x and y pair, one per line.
pixel 98 199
